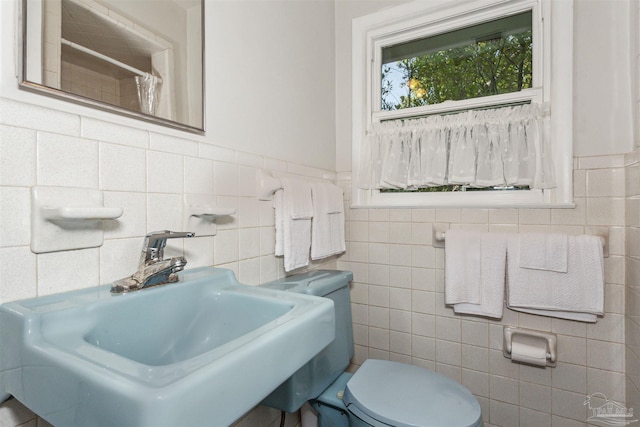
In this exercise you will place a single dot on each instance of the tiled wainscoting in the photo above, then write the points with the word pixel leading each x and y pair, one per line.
pixel 399 311
pixel 398 300
pixel 146 174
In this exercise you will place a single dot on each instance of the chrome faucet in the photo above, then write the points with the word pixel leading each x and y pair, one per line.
pixel 153 269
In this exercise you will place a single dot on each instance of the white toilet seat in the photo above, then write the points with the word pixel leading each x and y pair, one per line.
pixel 390 393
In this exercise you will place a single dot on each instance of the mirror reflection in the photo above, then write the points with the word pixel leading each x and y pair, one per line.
pixel 141 58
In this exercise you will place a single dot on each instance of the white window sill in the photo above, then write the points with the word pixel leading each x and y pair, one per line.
pixel 532 199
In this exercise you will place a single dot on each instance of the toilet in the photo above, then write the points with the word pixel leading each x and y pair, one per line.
pixel 381 393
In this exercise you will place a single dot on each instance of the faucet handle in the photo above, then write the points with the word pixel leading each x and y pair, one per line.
pixel 154 243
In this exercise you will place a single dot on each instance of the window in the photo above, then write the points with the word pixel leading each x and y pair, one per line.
pixel 427 59
pixel 485 59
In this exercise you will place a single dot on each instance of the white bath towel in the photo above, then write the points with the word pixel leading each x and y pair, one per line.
pixel 335 198
pixel 565 295
pixel 278 199
pixel 462 267
pixel 327 225
pixel 579 317
pixel 542 251
pixel 296 210
pixel 478 287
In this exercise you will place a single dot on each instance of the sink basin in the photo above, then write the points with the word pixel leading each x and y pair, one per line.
pixel 201 352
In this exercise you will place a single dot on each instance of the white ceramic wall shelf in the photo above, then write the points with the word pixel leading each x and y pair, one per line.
pixel 64 218
pixel 201 214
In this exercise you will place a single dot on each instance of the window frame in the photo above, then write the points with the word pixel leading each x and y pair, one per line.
pixel 552 74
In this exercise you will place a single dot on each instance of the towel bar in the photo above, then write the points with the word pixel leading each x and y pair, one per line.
pixel 440 236
pixel 267 184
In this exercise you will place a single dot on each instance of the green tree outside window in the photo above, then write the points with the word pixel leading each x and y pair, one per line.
pixel 490 64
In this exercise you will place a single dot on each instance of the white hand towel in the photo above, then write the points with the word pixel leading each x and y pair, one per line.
pixel 297 210
pixel 541 251
pixel 335 197
pixel 488 253
pixel 278 200
pixel 550 293
pixel 462 267
pixel 327 226
pixel 338 242
pixel 336 217
pixel 297 243
pixel 297 198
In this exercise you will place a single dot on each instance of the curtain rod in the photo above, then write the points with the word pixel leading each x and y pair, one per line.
pixel 462 110
pixel 106 58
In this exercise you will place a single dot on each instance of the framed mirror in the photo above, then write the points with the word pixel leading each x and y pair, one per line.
pixel 138 58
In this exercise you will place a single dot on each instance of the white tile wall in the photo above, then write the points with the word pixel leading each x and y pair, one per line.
pixel 147 175
pixel 399 312
pixel 66 161
pixel 397 294
pixel 122 168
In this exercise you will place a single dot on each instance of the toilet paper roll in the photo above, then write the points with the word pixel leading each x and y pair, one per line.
pixel 525 349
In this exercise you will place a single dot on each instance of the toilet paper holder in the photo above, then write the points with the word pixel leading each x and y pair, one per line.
pixel 537 338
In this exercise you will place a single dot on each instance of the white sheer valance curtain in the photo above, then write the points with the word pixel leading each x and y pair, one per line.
pixel 504 146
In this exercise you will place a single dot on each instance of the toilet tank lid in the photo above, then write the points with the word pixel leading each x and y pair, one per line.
pixel 410 396
pixel 317 282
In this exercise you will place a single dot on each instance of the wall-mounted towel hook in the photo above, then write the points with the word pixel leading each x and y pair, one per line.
pixel 439 233
pixel 266 185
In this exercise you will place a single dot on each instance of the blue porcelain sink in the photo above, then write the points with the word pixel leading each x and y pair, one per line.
pixel 201 352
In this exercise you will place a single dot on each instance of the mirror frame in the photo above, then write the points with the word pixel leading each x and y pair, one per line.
pixel 99 105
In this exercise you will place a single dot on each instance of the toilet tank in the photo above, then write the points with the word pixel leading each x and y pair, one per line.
pixel 313 378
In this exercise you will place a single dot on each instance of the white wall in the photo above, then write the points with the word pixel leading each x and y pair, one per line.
pixel 346 10
pixel 270 78
pixel 602 73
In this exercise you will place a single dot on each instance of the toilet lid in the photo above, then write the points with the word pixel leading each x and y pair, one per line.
pixel 409 396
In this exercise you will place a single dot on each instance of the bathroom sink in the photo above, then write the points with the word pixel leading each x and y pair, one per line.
pixel 200 352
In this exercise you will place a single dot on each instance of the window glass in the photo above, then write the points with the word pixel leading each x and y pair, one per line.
pixel 491 58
